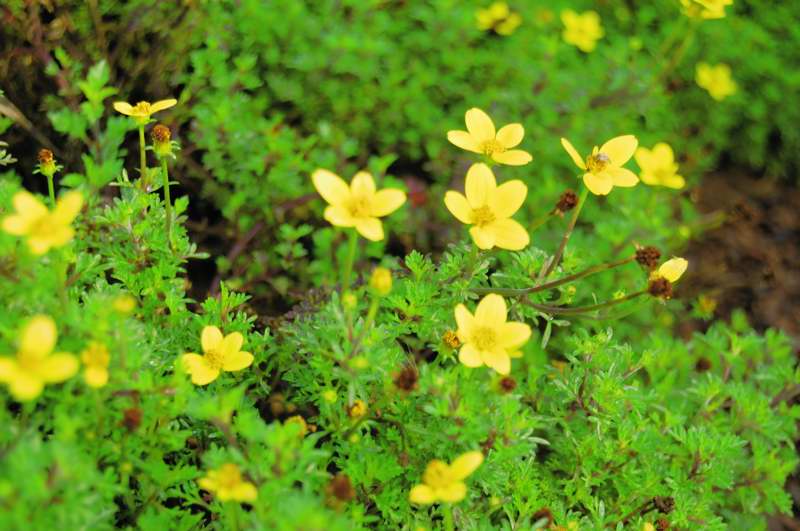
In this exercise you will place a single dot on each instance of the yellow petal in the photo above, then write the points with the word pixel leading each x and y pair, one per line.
pixel 491 311
pixel 452 493
pixel 8 369
pixel 479 125
pixel 469 356
pixel 676 181
pixel 598 184
pixel 339 216
pixel 331 187
pixel 231 344
pixel 95 376
pixel 509 234
pixel 457 204
pixel 622 177
pixel 237 361
pixel 466 464
pixel 210 338
pixel 463 140
pixel 16 225
pixel 38 336
pixel 510 135
pixel 386 201
pixel 464 320
pixel 208 483
pixel 663 153
pixel 620 149
pixel 479 185
pixel 370 228
pixel 124 107
pixel 573 153
pixel 644 159
pixel 513 335
pixel 28 205
pixel 244 492
pixel 508 198
pixel 199 369
pixel 58 367
pixel 497 360
pixel 39 246
pixel 421 494
pixel 483 237
pixel 362 185
pixel 162 104
pixel 513 157
pixel 673 269
pixel 60 235
pixel 25 386
pixel 67 207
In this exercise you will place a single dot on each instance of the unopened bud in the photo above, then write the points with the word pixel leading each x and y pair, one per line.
pixel 567 201
pixel 162 140
pixel 660 287
pixel 381 281
pixel 358 409
pixel 47 163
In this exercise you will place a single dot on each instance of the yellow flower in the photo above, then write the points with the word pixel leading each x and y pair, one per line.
pixel 443 482
pixel 220 354
pixel 480 137
pixel 36 364
pixel 227 484
pixel 96 359
pixel 43 228
pixel 705 9
pixel 357 410
pixel 603 167
pixel 142 111
pixel 358 205
pixel 124 304
pixel 582 29
pixel 488 208
pixel 487 338
pixel 498 17
pixel 716 80
pixel 659 167
pixel 672 269
pixel 381 281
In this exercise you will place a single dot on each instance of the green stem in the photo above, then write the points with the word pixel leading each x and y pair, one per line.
pixel 167 200
pixel 448 517
pixel 347 268
pixel 51 190
pixel 538 222
pixel 585 309
pixel 515 292
pixel 676 59
pixel 142 158
pixel 573 220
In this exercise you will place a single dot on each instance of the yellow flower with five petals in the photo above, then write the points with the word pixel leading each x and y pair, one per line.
pixel 358 205
pixel 481 137
pixel 716 80
pixel 219 354
pixel 35 364
pixel 95 358
pixel 658 166
pixel 43 228
pixel 227 484
pixel 445 483
pixel 142 111
pixel 487 337
pixel 603 167
pixel 705 9
pixel 498 17
pixel 488 208
pixel 582 29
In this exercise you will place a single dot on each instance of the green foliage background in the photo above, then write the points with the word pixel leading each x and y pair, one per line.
pixel 605 415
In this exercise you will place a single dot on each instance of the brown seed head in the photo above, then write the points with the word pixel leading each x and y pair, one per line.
pixel 648 257
pixel 507 384
pixel 664 504
pixel 341 488
pixel 660 287
pixel 544 514
pixel 662 524
pixel 451 339
pixel 45 156
pixel 567 201
pixel 132 418
pixel 702 365
pixel 161 134
pixel 406 380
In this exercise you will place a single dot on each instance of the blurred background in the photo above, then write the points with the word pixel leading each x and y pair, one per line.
pixel 270 90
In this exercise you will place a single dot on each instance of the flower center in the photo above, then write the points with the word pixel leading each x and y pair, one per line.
pixel 482 216
pixel 360 207
pixel 229 476
pixel 484 338
pixel 142 108
pixel 489 147
pixel 437 474
pixel 214 358
pixel 96 356
pixel 597 162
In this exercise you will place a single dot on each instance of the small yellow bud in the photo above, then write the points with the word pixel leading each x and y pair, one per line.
pixel 300 421
pixel 124 304
pixel 349 300
pixel 381 281
pixel 358 409
pixel 360 362
pixel 126 468
pixel 329 396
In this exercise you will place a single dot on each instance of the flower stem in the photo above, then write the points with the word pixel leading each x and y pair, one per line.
pixel 514 292
pixel 347 268
pixel 448 517
pixel 142 158
pixel 585 309
pixel 570 227
pixel 167 200
pixel 51 189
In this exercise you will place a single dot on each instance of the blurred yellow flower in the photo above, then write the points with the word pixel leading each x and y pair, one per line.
pixel 358 205
pixel 300 422
pixel 227 484
pixel 219 354
pixel 124 304
pixel 480 137
pixel 444 483
pixel 43 228
pixel 381 281
pixel 488 339
pixel 603 167
pixel 671 270
pixel 659 167
pixel 358 409
pixel 716 80
pixel 582 29
pixel 498 17
pixel 142 111
pixel 95 358
pixel 488 208
pixel 35 364
pixel 705 9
